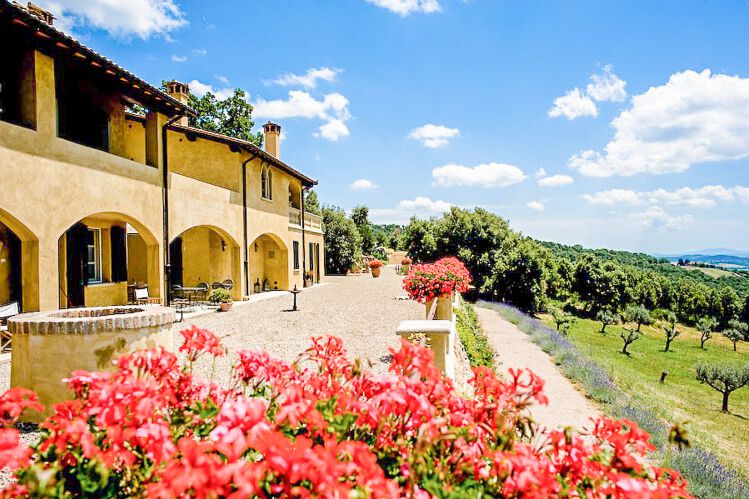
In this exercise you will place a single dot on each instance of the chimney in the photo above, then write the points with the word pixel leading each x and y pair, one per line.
pixel 40 13
pixel 181 92
pixel 272 139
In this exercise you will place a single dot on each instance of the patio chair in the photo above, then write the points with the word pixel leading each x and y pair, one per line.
pixel 178 297
pixel 218 285
pixel 142 298
pixel 228 284
pixel 204 291
pixel 6 311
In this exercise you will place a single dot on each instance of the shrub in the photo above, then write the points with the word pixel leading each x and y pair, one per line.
pixel 475 342
pixel 725 378
pixel 563 320
pixel 328 429
pixel 219 295
pixel 428 281
pixel 375 264
pixel 406 261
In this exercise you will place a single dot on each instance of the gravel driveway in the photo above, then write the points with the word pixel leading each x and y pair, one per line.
pixel 359 309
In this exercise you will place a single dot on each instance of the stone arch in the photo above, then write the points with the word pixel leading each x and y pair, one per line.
pixel 269 263
pixel 205 254
pixel 103 256
pixel 19 263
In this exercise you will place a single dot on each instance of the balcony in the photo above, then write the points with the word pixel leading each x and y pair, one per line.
pixel 311 221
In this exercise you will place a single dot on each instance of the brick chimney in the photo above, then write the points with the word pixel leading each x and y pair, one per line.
pixel 181 92
pixel 272 139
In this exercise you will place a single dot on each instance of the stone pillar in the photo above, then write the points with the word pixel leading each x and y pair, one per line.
pixel 444 308
pixel 441 334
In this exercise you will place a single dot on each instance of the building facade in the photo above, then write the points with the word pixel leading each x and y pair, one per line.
pixel 97 196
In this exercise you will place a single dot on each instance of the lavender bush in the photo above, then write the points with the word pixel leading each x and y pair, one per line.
pixel 707 477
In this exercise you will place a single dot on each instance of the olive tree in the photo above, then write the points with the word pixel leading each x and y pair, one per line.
pixel 735 332
pixel 629 336
pixel 724 378
pixel 706 327
pixel 563 320
pixel 607 318
pixel 670 331
pixel 637 314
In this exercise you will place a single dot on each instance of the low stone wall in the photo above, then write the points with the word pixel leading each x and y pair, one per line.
pixel 48 346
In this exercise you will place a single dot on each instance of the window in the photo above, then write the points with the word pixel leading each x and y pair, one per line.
pixel 296 255
pixel 266 181
pixel 93 256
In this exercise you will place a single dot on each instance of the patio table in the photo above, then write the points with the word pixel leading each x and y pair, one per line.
pixel 192 293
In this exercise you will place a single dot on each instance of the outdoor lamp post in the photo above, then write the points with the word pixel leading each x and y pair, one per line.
pixel 295 292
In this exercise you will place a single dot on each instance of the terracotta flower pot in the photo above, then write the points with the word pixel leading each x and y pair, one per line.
pixel 405 268
pixel 225 307
pixel 376 271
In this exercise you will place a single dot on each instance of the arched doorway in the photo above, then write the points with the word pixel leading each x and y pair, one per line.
pixel 19 264
pixel 205 254
pixel 269 264
pixel 103 257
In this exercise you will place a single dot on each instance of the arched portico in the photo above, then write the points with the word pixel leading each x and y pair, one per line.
pixel 19 263
pixel 100 255
pixel 269 264
pixel 205 254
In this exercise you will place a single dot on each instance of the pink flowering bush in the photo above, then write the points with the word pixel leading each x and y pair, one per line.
pixel 328 429
pixel 427 281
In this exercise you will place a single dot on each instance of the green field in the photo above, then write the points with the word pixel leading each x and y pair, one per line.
pixel 681 398
pixel 714 273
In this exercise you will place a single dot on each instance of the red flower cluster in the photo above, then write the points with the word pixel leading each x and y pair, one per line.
pixel 320 427
pixel 427 281
pixel 374 264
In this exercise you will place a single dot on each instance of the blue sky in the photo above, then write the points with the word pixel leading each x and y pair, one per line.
pixel 609 124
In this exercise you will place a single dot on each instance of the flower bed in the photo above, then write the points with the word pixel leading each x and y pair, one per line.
pixel 328 429
pixel 428 281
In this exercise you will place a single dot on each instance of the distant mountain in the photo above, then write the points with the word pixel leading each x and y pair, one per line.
pixel 727 261
pixel 705 252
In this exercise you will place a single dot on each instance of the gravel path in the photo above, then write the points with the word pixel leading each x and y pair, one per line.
pixel 359 309
pixel 567 406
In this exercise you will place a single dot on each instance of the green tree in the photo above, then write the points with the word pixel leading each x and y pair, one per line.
pixel 519 276
pixel 637 314
pixel 360 217
pixel 607 318
pixel 735 332
pixel 312 202
pixel 706 327
pixel 671 333
pixel 724 378
pixel 342 241
pixel 231 116
pixel 629 336
pixel 563 320
pixel 419 240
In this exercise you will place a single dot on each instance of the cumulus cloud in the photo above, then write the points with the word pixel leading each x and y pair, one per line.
pixel 406 7
pixel 433 136
pixel 332 109
pixel 657 218
pixel 200 89
pixel 536 205
pixel 555 181
pixel 363 184
pixel 422 207
pixel 541 173
pixel 200 52
pixel 141 18
pixel 573 104
pixel 604 86
pixel 307 80
pixel 702 197
pixel 179 58
pixel 693 118
pixel 607 86
pixel 484 175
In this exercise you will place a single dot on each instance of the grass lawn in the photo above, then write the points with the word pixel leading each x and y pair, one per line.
pixel 681 398
pixel 714 273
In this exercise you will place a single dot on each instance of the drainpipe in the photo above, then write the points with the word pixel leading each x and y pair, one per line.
pixel 165 210
pixel 244 220
pixel 304 244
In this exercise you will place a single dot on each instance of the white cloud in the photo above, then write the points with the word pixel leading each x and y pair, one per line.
pixel 223 79
pixel 573 104
pixel 405 7
pixel 536 205
pixel 200 52
pixel 607 86
pixel 555 181
pixel 541 173
pixel 179 58
pixel 433 136
pixel 363 185
pixel 332 109
pixel 693 118
pixel 200 89
pixel 657 218
pixel 422 207
pixel 307 80
pixel 702 197
pixel 484 175
pixel 141 18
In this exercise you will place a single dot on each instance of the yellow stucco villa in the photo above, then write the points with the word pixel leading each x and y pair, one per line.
pixel 96 198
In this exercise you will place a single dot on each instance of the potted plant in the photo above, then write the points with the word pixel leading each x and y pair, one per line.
pixel 375 265
pixel 222 297
pixel 437 281
pixel 405 265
